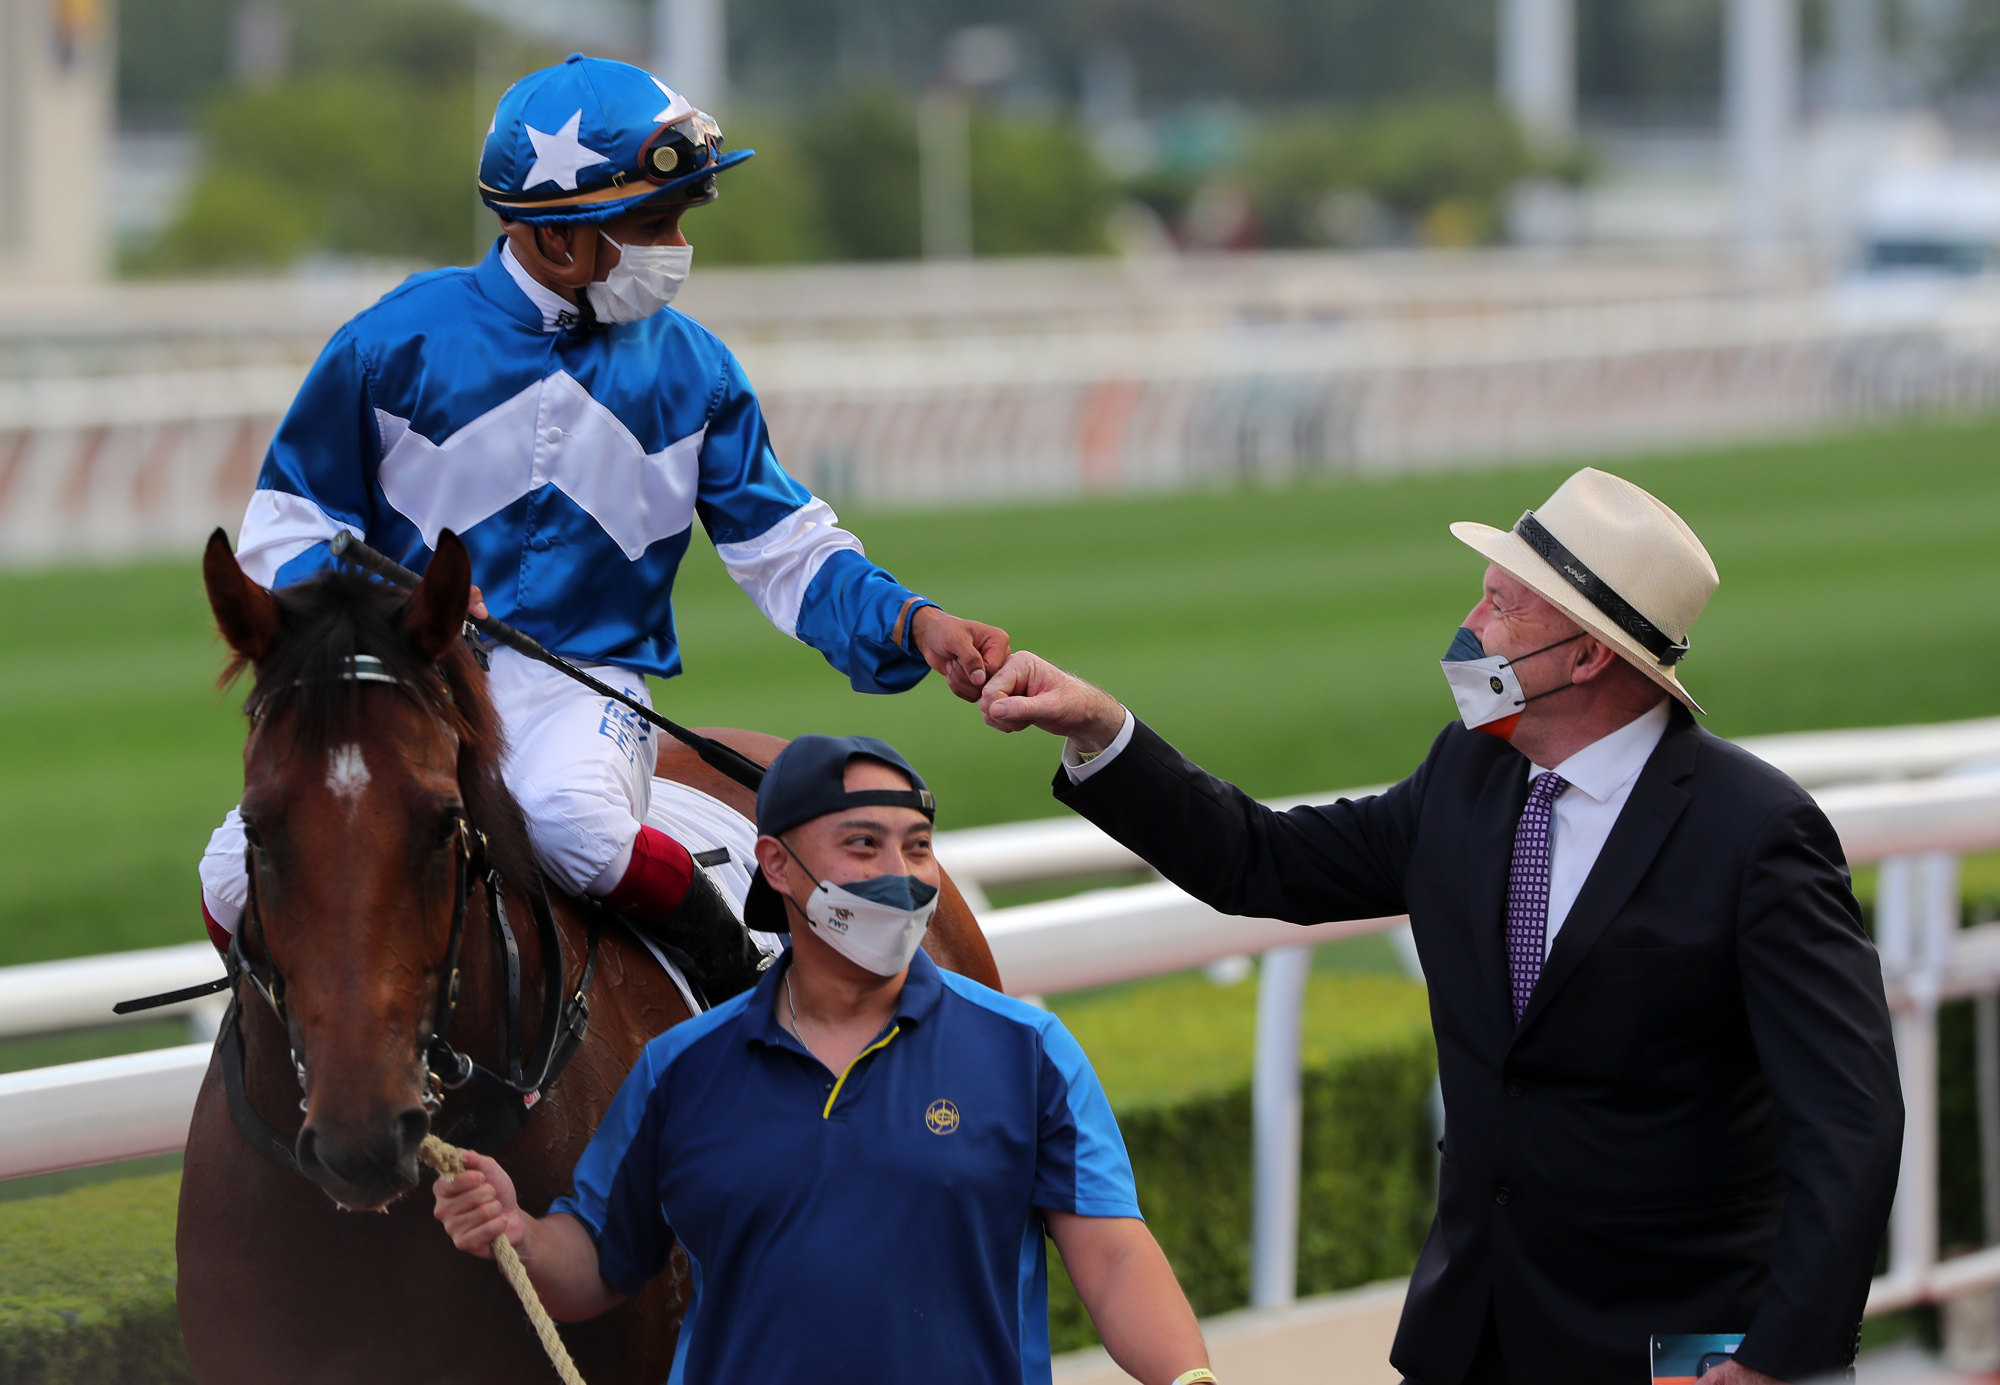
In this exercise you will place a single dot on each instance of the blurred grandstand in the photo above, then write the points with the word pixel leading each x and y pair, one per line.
pixel 1162 246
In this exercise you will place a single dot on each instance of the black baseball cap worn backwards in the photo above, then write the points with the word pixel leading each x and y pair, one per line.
pixel 808 780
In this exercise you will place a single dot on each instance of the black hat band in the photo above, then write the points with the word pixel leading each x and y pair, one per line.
pixel 1598 593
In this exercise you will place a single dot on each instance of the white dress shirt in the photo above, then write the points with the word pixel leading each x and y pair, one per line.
pixel 554 307
pixel 1600 776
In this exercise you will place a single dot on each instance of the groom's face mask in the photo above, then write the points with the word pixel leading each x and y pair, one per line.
pixel 1485 686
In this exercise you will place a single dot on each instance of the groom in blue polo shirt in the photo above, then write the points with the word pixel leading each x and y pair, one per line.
pixel 870 1144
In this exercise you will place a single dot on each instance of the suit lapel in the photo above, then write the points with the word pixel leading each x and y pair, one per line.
pixel 1655 805
pixel 1489 854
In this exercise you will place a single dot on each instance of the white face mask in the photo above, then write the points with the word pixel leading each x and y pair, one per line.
pixel 644 280
pixel 1485 686
pixel 878 923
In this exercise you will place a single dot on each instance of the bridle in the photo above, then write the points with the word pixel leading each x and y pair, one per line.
pixel 565 1018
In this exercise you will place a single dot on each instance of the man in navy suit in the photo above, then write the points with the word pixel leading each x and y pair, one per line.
pixel 1670 1094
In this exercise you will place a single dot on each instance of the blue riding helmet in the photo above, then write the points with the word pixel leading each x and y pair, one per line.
pixel 591 138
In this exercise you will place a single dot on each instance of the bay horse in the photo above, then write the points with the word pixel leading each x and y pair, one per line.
pixel 386 855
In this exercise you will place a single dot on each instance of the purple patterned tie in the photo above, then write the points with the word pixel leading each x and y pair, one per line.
pixel 1528 889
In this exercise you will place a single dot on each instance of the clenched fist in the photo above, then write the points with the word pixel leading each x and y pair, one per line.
pixel 1030 691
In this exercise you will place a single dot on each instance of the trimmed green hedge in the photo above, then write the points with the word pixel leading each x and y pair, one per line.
pixel 87 1287
pixel 1365 1194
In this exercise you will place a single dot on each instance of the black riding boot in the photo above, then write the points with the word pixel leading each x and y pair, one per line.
pixel 724 959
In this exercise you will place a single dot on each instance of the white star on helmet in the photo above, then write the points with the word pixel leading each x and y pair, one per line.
pixel 678 106
pixel 559 156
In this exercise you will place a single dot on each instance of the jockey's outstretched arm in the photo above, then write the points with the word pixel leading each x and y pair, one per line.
pixel 561 1259
pixel 785 547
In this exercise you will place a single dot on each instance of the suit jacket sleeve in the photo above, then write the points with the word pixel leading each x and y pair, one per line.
pixel 1342 860
pixel 1812 989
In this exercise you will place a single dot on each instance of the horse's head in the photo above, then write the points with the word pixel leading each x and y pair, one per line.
pixel 372 751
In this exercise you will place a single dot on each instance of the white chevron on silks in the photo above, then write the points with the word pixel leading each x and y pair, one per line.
pixel 551 433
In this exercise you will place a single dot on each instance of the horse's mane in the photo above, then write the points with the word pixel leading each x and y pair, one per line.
pixel 328 620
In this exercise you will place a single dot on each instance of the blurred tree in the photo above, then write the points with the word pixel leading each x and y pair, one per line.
pixel 1973 55
pixel 792 53
pixel 1656 61
pixel 859 150
pixel 1438 171
pixel 365 144
pixel 769 210
pixel 1036 189
pixel 1286 51
pixel 174 55
pixel 346 165
pixel 171 55
pixel 1254 50
pixel 235 218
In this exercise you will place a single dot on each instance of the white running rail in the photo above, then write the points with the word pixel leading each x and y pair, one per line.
pixel 1916 829
pixel 44 997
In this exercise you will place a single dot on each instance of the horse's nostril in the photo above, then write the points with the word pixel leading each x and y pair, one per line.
pixel 412 1125
pixel 367 1168
pixel 307 1151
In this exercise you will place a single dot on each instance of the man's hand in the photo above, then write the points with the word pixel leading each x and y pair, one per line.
pixel 477 608
pixel 964 651
pixel 478 1205
pixel 1030 691
pixel 1735 1373
pixel 558 1253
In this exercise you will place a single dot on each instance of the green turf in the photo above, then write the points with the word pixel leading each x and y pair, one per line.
pixel 1162 1040
pixel 1287 638
pixel 47 1050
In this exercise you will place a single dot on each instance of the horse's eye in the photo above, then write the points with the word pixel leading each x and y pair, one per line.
pixel 447 827
pixel 252 835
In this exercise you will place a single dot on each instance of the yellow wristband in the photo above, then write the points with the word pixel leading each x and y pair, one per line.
pixel 1200 1375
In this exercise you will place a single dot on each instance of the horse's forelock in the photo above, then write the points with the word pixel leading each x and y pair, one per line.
pixel 325 623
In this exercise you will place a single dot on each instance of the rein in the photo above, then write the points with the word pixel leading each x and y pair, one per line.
pixel 565 1017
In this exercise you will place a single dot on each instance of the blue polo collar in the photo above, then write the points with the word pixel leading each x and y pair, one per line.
pixel 922 989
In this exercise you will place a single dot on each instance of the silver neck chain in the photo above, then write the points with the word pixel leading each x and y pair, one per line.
pixel 792 1005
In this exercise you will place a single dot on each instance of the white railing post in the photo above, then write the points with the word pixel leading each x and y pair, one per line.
pixel 1276 1128
pixel 1904 928
pixel 1986 1086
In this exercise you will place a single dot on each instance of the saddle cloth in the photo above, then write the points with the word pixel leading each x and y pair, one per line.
pixel 705 824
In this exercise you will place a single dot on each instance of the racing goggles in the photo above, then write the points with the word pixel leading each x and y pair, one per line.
pixel 678 152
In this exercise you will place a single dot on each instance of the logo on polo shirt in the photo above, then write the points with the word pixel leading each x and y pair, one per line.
pixel 941 1117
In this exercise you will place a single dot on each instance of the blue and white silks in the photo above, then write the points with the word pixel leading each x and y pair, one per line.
pixel 573 465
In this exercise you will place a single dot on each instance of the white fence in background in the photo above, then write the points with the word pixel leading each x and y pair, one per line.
pixel 92 466
pixel 1915 828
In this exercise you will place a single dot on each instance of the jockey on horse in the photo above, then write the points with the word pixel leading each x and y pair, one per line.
pixel 547 407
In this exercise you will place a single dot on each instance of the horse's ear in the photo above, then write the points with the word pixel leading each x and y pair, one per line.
pixel 436 609
pixel 246 614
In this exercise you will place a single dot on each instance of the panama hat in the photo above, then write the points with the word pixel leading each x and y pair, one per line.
pixel 1616 561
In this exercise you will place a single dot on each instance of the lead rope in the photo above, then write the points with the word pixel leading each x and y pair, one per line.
pixel 449 1161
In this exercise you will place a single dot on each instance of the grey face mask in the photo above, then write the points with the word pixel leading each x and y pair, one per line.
pixel 878 923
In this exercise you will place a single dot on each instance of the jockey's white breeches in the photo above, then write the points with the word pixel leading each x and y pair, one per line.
pixel 580 764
